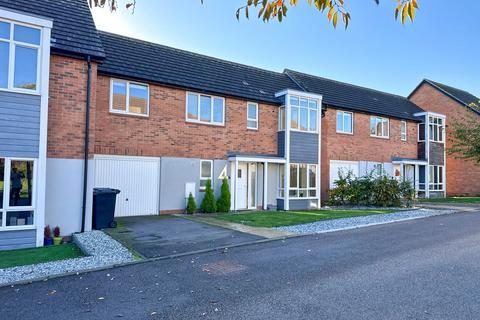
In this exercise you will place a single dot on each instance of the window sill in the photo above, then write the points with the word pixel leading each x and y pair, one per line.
pixel 205 123
pixel 29 92
pixel 17 228
pixel 297 130
pixel 347 133
pixel 133 115
pixel 380 137
pixel 253 129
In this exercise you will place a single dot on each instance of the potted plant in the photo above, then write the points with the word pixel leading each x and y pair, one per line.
pixel 47 236
pixel 57 239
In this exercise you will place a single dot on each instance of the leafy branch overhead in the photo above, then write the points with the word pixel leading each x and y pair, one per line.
pixel 277 9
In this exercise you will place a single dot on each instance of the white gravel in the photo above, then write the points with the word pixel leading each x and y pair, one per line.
pixel 100 250
pixel 356 222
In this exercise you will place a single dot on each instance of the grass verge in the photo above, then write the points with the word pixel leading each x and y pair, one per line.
pixel 451 200
pixel 22 257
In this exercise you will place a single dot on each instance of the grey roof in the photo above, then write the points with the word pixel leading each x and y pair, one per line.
pixel 73 32
pixel 137 59
pixel 351 97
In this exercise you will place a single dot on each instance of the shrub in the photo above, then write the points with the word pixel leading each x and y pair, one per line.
pixel 341 193
pixel 223 203
pixel 191 205
pixel 47 232
pixel 56 232
pixel 209 204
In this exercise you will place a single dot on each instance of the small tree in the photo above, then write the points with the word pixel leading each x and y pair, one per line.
pixel 191 205
pixel 209 204
pixel 223 203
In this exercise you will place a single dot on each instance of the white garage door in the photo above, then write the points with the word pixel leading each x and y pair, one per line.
pixel 137 178
pixel 344 167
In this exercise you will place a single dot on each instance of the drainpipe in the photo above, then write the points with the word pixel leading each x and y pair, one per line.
pixel 87 132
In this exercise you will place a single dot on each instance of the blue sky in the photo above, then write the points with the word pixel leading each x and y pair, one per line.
pixel 375 51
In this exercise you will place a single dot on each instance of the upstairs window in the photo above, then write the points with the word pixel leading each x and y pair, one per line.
pixel 19 57
pixel 379 127
pixel 403 131
pixel 304 114
pixel 205 109
pixel 129 98
pixel 252 116
pixel 436 129
pixel 344 122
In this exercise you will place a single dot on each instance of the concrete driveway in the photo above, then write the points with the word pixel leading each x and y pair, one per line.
pixel 158 236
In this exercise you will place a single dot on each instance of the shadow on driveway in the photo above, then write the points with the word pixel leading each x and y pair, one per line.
pixel 158 236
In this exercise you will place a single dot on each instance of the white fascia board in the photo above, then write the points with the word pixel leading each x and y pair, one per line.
pixel 302 94
pixel 428 113
pixel 26 18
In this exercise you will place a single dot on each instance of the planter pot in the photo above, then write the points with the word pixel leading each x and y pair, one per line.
pixel 47 241
pixel 57 240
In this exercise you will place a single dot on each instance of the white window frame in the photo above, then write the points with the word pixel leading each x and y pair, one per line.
pixel 6 196
pixel 211 123
pixel 343 122
pixel 256 116
pixel 432 183
pixel 435 127
pixel 202 188
pixel 403 134
pixel 281 181
pixel 11 60
pixel 419 131
pixel 309 188
pixel 382 119
pixel 127 97
pixel 318 110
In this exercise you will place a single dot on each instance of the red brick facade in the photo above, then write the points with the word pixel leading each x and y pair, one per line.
pixel 360 146
pixel 166 133
pixel 463 176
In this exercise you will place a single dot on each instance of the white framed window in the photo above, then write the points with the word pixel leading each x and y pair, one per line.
pixel 303 181
pixel 20 53
pixel 379 127
pixel 252 115
pixel 205 109
pixel 17 193
pixel 281 181
pixel 303 114
pixel 421 132
pixel 344 122
pixel 436 178
pixel 403 130
pixel 281 118
pixel 436 129
pixel 128 97
pixel 206 173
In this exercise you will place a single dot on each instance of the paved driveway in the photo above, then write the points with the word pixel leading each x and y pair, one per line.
pixel 157 236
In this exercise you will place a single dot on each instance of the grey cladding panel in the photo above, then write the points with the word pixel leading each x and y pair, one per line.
pixel 437 153
pixel 303 147
pixel 17 239
pixel 281 143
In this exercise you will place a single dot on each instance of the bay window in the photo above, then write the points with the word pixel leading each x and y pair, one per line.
pixel 304 114
pixel 379 127
pixel 436 178
pixel 303 181
pixel 19 57
pixel 17 178
pixel 436 129
pixel 205 109
pixel 129 98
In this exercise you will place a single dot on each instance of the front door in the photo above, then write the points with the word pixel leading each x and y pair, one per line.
pixel 246 186
pixel 410 174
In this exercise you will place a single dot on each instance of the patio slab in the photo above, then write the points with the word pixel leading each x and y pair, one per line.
pixel 159 236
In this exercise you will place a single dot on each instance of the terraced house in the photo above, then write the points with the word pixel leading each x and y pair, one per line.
pixel 81 108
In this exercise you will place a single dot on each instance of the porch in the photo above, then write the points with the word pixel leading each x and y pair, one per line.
pixel 413 171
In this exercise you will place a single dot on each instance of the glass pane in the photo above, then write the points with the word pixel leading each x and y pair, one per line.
pixel 203 184
pixel 293 193
pixel 302 176
pixel 293 176
pixel 294 120
pixel 379 130
pixel 26 34
pixel 312 176
pixel 347 122
pixel 313 120
pixel 282 119
pixel 304 119
pixel 440 175
pixel 2 186
pixel 218 110
pixel 119 96
pixel 294 101
pixel 281 176
pixel 312 193
pixel 373 126
pixel 19 218
pixel 192 106
pixel 21 183
pixel 340 121
pixel 206 169
pixel 25 75
pixel 252 111
pixel 252 124
pixel 385 127
pixel 4 57
pixel 302 193
pixel 138 99
pixel 5 30
pixel 253 191
pixel 303 103
pixel 205 108
pixel 312 104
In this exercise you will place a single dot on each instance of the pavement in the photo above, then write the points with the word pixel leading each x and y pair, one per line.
pixel 159 236
pixel 460 207
pixel 418 269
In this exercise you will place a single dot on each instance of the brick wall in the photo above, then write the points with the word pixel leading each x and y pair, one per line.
pixel 463 176
pixel 361 146
pixel 66 115
pixel 166 133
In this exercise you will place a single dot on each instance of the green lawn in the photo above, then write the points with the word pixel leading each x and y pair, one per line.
pixel 452 200
pixel 271 219
pixel 21 257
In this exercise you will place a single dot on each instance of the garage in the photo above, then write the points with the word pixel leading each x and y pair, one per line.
pixel 138 180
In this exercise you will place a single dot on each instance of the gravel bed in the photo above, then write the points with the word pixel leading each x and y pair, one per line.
pixel 356 222
pixel 100 250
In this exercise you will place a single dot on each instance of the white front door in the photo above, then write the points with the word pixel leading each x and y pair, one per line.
pixel 246 186
pixel 410 174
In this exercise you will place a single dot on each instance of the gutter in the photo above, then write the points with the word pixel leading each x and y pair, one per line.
pixel 86 144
